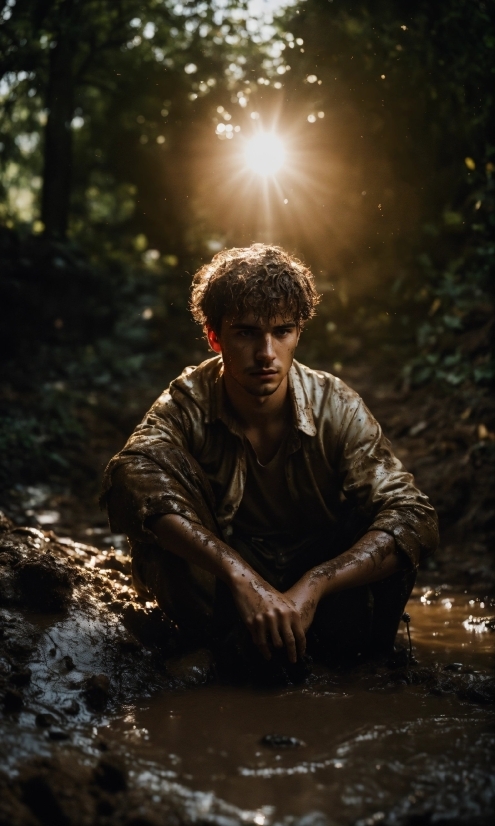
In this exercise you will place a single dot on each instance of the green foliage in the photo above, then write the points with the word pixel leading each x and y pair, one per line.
pixel 388 111
pixel 34 443
pixel 141 76
pixel 416 86
pixel 74 327
pixel 454 340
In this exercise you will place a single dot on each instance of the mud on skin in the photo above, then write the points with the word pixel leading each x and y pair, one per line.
pixel 76 647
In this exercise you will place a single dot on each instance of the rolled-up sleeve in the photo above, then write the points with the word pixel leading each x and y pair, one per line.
pixel 381 491
pixel 155 474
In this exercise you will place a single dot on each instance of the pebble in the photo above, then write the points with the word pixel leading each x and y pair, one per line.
pixel 45 720
pixel 281 741
pixel 58 734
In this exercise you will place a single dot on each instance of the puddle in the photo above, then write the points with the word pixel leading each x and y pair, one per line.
pixel 446 625
pixel 382 742
pixel 370 751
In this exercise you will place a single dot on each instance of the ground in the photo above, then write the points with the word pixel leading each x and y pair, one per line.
pixel 76 644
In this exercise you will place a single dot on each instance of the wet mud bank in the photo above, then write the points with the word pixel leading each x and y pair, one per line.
pixel 105 721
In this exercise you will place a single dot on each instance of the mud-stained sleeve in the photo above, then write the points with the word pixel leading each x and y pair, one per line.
pixel 381 492
pixel 155 474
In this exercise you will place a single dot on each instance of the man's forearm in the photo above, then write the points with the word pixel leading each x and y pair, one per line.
pixel 269 615
pixel 372 558
pixel 199 546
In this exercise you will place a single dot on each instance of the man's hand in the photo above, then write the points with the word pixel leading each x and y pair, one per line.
pixel 271 617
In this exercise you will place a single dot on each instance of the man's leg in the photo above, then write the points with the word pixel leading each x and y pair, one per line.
pixel 183 591
pixel 390 597
pixel 360 621
pixel 341 628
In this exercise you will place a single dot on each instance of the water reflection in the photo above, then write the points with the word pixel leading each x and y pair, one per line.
pixel 367 748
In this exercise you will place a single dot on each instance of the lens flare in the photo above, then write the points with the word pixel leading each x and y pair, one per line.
pixel 265 154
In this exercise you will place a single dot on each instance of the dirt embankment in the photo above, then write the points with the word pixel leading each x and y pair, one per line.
pixel 75 646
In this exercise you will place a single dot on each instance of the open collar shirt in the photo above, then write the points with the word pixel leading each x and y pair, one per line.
pixel 338 460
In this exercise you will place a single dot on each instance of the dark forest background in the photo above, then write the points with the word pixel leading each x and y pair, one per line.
pixel 116 184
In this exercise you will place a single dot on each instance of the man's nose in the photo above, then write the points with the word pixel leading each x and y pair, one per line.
pixel 266 350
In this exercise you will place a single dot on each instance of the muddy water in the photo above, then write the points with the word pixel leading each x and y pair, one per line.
pixel 369 750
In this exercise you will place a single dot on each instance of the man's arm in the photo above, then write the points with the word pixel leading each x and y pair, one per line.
pixel 372 558
pixel 382 495
pixel 271 617
pixel 402 525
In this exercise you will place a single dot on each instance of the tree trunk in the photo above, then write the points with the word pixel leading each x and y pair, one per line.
pixel 58 139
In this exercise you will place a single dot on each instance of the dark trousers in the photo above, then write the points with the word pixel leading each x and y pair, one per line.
pixel 359 621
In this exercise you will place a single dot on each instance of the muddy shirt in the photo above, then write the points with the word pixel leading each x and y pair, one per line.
pixel 339 467
pixel 266 507
pixel 270 530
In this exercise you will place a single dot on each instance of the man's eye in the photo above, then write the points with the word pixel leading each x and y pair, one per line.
pixel 245 333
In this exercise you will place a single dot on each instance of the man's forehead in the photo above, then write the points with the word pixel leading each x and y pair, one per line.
pixel 251 319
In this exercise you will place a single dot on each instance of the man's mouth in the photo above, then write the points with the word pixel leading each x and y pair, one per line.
pixel 263 373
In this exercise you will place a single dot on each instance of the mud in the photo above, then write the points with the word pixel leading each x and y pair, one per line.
pixel 106 721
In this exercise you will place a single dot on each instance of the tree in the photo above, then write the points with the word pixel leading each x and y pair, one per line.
pixel 86 50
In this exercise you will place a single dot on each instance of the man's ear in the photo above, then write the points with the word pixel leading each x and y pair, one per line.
pixel 213 340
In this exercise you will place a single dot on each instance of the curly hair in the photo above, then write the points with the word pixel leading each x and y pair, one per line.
pixel 262 279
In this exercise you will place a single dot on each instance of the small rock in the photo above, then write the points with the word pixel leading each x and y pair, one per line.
pixel 97 691
pixel 453 667
pixel 481 694
pixel 68 662
pixel 110 774
pixel 115 564
pixel 44 719
pixel 71 708
pixel 418 428
pixel 40 798
pixel 194 668
pixel 58 734
pixel 105 806
pixel 20 678
pixel 151 627
pixel 45 586
pixel 12 700
pixel 281 741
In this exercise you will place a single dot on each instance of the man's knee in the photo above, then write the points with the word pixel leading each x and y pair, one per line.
pixel 390 596
pixel 183 591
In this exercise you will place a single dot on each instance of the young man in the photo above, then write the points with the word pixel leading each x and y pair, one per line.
pixel 259 490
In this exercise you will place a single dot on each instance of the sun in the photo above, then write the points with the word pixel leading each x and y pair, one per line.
pixel 265 154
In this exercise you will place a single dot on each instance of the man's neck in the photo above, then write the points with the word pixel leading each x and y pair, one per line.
pixel 258 411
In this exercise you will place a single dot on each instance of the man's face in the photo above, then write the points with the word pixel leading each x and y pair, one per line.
pixel 257 354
